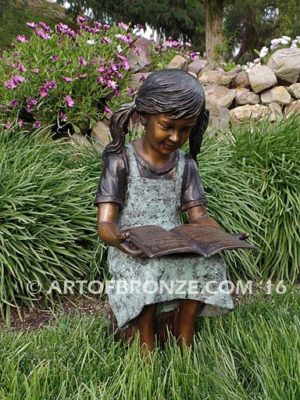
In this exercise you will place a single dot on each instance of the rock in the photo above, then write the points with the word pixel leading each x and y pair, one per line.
pixel 178 62
pixel 292 108
pixel 241 80
pixel 261 77
pixel 218 116
pixel 248 112
pixel 216 77
pixel 275 112
pixel 193 74
pixel 80 139
pixel 277 94
pixel 137 79
pixel 196 66
pixel 101 135
pixel 244 96
pixel 139 57
pixel 286 64
pixel 208 67
pixel 219 95
pixel 294 89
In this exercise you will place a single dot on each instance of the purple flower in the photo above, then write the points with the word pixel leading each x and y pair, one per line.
pixel 62 116
pixel 31 25
pixel 100 80
pixel 106 26
pixel 107 110
pixel 67 79
pixel 126 65
pixel 97 24
pixel 55 58
pixel 42 34
pixel 142 78
pixel 7 125
pixel 119 75
pixel 43 91
pixel 69 62
pixel 80 19
pixel 101 69
pixel 69 101
pixel 112 84
pixel 82 61
pixel 14 82
pixel 36 70
pixel 63 28
pixel 123 26
pixel 50 84
pixel 106 40
pixel 137 51
pixel 31 103
pixel 131 91
pixel 14 103
pixel 37 124
pixel 10 84
pixel 21 123
pixel 124 38
pixel 113 67
pixel 121 57
pixel 21 39
pixel 22 68
pixel 45 27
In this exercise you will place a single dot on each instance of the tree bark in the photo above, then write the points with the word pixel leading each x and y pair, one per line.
pixel 213 29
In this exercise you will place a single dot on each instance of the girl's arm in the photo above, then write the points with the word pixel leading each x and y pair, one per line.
pixel 198 215
pixel 108 229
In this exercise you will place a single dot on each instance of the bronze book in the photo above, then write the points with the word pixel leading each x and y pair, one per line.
pixel 206 241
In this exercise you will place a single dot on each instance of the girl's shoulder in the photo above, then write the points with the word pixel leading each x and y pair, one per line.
pixel 116 162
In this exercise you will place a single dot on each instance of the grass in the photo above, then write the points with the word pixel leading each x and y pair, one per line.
pixel 252 353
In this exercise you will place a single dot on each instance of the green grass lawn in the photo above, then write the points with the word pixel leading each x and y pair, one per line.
pixel 251 353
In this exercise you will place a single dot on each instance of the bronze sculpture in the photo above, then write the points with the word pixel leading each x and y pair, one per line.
pixel 148 182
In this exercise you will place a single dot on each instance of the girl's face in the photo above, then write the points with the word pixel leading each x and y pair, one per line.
pixel 165 134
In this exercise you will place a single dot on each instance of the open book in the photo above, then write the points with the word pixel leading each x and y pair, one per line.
pixel 206 241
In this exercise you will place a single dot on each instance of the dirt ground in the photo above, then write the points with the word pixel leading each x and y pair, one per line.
pixel 35 318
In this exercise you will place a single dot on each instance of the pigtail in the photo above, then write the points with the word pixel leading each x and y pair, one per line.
pixel 118 126
pixel 197 133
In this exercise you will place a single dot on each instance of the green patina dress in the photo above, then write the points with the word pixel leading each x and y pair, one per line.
pixel 157 202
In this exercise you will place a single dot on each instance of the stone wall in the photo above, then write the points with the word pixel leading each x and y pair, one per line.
pixel 271 90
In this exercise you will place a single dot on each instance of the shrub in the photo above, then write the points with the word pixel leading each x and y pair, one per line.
pixel 47 220
pixel 65 75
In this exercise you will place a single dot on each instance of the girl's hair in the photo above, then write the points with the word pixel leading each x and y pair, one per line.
pixel 169 91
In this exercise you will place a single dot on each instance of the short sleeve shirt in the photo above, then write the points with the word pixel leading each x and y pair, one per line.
pixel 113 182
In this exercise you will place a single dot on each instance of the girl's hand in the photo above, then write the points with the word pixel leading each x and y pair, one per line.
pixel 129 248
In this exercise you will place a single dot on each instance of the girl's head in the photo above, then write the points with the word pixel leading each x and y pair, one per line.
pixel 172 92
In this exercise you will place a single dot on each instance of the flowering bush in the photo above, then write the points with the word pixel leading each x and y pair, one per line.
pixel 66 75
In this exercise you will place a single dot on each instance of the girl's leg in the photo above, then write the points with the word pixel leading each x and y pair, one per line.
pixel 187 314
pixel 145 323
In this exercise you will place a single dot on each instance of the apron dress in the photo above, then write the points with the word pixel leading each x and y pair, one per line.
pixel 136 282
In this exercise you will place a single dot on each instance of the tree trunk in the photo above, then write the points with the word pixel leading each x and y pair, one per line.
pixel 213 30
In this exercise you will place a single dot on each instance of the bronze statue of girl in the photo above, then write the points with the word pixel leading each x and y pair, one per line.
pixel 150 181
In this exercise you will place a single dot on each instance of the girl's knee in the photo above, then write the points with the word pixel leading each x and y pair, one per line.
pixel 189 308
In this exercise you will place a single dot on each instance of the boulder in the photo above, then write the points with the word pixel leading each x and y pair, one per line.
pixel 275 112
pixel 101 135
pixel 261 77
pixel 178 62
pixel 219 95
pixel 216 77
pixel 137 79
pixel 218 116
pixel 243 114
pixel 196 66
pixel 241 80
pixel 285 63
pixel 292 108
pixel 294 89
pixel 277 94
pixel 139 57
pixel 244 96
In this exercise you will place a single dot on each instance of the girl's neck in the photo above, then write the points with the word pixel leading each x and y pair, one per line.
pixel 153 158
